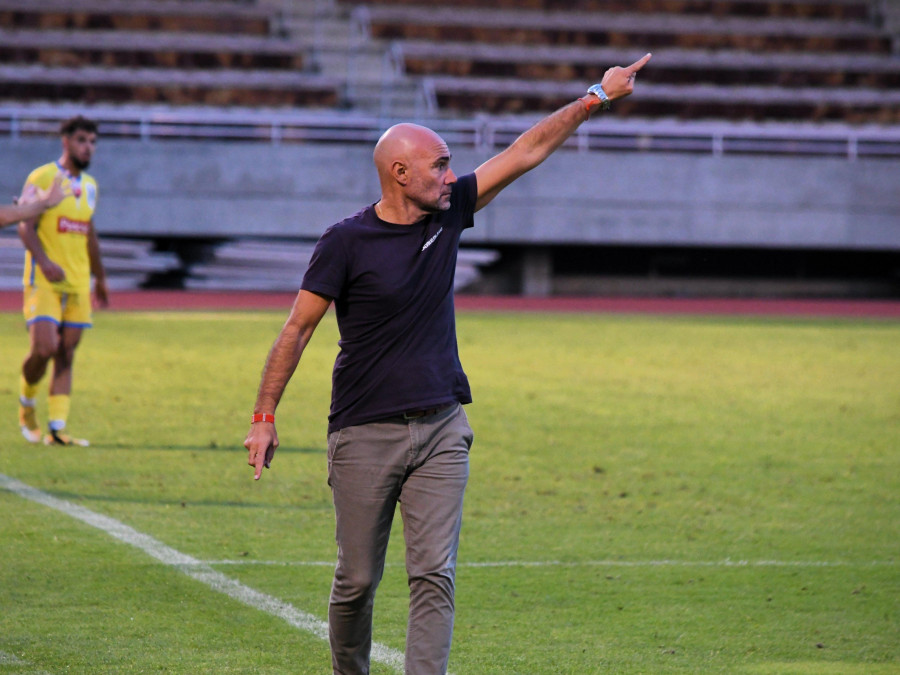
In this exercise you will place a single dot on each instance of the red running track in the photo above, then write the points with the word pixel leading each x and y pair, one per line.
pixel 11 301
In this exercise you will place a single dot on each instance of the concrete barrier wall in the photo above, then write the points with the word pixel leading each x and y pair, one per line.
pixel 188 188
pixel 703 200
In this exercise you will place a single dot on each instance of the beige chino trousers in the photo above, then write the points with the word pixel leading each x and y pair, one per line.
pixel 422 464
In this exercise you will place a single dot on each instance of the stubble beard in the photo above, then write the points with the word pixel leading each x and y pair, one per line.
pixel 80 164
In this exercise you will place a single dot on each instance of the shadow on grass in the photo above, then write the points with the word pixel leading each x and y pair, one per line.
pixel 81 498
pixel 204 448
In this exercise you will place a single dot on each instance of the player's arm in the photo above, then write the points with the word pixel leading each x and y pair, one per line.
pixel 307 312
pixel 539 142
pixel 34 202
pixel 97 270
pixel 13 213
pixel 28 234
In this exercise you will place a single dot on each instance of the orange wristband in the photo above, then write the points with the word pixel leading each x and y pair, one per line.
pixel 591 103
pixel 262 417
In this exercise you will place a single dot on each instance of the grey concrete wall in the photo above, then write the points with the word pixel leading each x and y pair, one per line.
pixel 704 200
pixel 193 188
pixel 186 188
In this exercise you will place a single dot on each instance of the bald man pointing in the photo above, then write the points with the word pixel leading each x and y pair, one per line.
pixel 397 432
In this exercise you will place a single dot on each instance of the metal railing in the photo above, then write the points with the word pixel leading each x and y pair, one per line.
pixel 482 132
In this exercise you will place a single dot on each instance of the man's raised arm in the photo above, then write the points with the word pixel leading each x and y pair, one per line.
pixel 539 142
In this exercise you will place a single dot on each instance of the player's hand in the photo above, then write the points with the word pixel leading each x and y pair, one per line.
pixel 101 293
pixel 30 194
pixel 618 82
pixel 54 194
pixel 261 441
pixel 52 271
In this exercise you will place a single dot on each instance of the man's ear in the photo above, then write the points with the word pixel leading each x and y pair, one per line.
pixel 400 172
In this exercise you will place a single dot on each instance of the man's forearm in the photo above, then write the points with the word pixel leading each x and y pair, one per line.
pixel 542 140
pixel 307 312
pixel 16 212
pixel 527 151
pixel 280 366
pixel 31 242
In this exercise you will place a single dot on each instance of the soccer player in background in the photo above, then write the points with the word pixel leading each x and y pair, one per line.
pixel 62 252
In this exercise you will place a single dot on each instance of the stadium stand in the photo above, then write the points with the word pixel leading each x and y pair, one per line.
pixel 818 9
pixel 129 263
pixel 164 51
pixel 146 15
pixel 805 60
pixel 737 60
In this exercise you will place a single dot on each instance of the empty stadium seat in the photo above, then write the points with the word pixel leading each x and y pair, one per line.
pixel 809 9
pixel 199 16
pixel 147 49
pixel 171 86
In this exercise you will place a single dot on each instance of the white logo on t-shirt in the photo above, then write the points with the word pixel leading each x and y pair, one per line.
pixel 431 241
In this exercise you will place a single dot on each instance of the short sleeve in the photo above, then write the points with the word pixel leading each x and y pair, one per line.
pixel 327 271
pixel 40 178
pixel 467 189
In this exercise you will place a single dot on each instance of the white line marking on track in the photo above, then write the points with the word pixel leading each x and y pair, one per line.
pixel 194 568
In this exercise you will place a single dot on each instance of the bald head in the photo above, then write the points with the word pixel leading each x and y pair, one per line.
pixel 413 164
pixel 404 142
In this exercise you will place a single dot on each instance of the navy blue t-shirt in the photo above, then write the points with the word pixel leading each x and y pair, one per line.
pixel 392 287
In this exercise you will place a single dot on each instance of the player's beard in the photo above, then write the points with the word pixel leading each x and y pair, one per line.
pixel 80 164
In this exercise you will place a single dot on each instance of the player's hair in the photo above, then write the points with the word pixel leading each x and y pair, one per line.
pixel 77 123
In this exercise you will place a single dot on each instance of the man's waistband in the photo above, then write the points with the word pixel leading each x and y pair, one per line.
pixel 404 417
pixel 425 412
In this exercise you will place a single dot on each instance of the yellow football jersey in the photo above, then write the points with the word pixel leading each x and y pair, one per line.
pixel 63 230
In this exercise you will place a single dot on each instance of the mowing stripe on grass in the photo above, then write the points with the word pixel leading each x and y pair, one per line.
pixel 196 569
pixel 727 562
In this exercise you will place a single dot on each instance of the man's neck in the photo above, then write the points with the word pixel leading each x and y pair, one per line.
pixel 402 214
pixel 66 162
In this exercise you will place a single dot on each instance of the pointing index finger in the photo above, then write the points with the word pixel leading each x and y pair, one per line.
pixel 259 462
pixel 640 63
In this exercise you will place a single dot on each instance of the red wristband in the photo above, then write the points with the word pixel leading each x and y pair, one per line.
pixel 590 103
pixel 262 417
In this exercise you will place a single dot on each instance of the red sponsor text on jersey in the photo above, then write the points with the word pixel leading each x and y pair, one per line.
pixel 73 226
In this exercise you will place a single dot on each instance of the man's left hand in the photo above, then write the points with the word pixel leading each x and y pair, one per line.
pixel 618 82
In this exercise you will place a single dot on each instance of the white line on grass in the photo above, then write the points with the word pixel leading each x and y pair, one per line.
pixel 7 659
pixel 11 660
pixel 196 569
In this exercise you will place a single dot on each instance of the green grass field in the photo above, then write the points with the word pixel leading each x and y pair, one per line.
pixel 648 495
